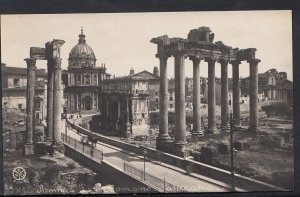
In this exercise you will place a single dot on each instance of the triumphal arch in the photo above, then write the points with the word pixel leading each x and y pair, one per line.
pixel 51 53
pixel 199 46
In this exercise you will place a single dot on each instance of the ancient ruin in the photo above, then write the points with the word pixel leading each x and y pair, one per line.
pixel 51 53
pixel 199 46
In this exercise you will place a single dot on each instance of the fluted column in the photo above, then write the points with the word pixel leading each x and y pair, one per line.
pixel 211 96
pixel 50 102
pixel 197 130
pixel 236 92
pixel 180 121
pixel 56 100
pixel 31 68
pixel 253 94
pixel 224 95
pixel 163 101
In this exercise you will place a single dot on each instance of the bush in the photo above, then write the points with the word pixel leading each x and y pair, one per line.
pixel 276 109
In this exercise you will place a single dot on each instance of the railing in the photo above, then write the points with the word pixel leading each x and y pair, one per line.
pixel 161 184
pixel 85 149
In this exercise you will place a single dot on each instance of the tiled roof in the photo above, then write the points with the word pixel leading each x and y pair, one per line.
pixel 22 71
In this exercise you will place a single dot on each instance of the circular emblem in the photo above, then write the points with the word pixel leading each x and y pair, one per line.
pixel 19 173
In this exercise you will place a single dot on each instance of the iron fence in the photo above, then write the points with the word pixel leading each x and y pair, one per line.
pixel 161 184
pixel 85 149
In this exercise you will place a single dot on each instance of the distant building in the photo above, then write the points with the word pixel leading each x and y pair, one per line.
pixel 82 79
pixel 14 90
pixel 125 102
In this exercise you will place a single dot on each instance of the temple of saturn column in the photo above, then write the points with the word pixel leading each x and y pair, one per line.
pixel 199 46
pixel 51 53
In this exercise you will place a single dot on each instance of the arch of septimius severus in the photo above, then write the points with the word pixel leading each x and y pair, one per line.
pixel 199 46
pixel 51 53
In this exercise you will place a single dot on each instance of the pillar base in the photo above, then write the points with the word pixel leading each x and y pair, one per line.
pixel 162 141
pixel 213 131
pixel 253 129
pixel 28 149
pixel 180 150
pixel 57 150
pixel 225 128
pixel 198 133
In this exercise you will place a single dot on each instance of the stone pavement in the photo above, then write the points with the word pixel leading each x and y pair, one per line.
pixel 173 175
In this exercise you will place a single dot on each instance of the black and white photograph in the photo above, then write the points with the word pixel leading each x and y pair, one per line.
pixel 147 102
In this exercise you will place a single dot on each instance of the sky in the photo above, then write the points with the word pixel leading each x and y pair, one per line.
pixel 122 40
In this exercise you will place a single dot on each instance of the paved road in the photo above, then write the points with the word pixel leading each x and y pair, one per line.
pixel 173 175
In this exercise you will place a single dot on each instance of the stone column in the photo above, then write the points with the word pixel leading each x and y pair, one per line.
pixel 50 102
pixel 236 92
pixel 56 100
pixel 197 130
pixel 253 94
pixel 31 68
pixel 163 103
pixel 224 95
pixel 180 121
pixel 211 96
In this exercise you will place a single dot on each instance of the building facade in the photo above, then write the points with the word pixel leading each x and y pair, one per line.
pixel 14 90
pixel 83 78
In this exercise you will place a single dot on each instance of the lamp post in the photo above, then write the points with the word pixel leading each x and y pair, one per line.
pixel 144 153
pixel 231 154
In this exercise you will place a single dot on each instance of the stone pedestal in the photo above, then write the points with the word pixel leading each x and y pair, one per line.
pixel 28 149
pixel 57 149
pixel 180 150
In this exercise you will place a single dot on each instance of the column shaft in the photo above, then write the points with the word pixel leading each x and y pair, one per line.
pixel 197 130
pixel 163 100
pixel 50 102
pixel 30 100
pixel 236 92
pixel 57 100
pixel 253 95
pixel 224 95
pixel 180 121
pixel 211 96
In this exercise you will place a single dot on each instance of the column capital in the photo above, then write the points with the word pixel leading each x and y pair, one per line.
pixel 223 61
pixel 31 63
pixel 210 59
pixel 179 53
pixel 235 62
pixel 196 58
pixel 254 61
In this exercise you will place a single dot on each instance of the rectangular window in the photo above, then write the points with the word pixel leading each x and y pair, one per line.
pixel 37 105
pixel 16 82
pixel 171 98
pixel 156 93
pixel 20 106
pixel 171 105
pixel 156 99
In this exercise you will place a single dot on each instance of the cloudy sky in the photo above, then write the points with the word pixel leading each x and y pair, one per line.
pixel 122 40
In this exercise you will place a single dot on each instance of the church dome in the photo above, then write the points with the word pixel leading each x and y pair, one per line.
pixel 82 55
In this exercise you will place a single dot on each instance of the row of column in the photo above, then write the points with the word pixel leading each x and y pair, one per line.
pixel 53 101
pixel 180 119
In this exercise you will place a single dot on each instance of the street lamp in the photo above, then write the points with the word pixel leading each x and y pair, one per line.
pixel 144 153
pixel 231 154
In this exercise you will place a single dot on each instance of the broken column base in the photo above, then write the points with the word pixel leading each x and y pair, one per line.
pixel 28 149
pixel 57 149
